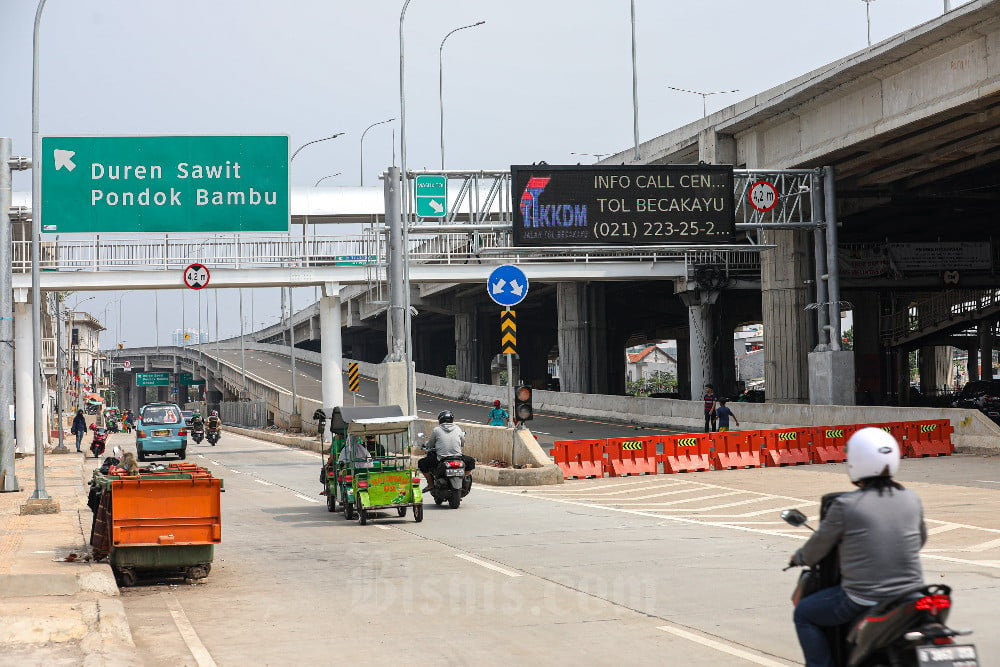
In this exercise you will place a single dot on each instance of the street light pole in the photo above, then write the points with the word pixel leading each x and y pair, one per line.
pixel 704 96
pixel 868 18
pixel 310 143
pixel 362 167
pixel 599 156
pixel 441 80
pixel 404 191
pixel 316 185
pixel 36 247
pixel 635 91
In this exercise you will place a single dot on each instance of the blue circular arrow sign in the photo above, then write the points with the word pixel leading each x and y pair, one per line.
pixel 507 285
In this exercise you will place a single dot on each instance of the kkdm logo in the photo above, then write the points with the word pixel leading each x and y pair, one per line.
pixel 536 214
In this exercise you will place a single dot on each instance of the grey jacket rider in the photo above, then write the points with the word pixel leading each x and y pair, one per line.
pixel 880 537
pixel 446 440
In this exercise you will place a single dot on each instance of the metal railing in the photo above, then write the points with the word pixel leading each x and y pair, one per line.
pixel 939 311
pixel 245 414
pixel 49 353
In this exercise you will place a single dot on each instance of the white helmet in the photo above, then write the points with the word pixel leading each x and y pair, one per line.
pixel 872 452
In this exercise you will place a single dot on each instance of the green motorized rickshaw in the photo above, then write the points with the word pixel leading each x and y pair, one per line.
pixel 369 469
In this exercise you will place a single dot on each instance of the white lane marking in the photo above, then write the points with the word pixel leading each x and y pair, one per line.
pixel 260 481
pixel 943 529
pixel 235 471
pixel 188 634
pixel 605 491
pixel 312 500
pixel 201 455
pixel 541 432
pixel 382 527
pixel 988 481
pixel 634 501
pixel 723 648
pixel 489 566
pixel 213 461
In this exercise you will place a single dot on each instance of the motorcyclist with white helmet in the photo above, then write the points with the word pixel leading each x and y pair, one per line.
pixel 879 530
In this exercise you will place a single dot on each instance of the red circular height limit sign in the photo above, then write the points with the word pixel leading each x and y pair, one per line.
pixel 763 196
pixel 196 276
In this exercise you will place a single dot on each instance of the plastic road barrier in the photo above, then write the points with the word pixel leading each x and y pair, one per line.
pixel 686 453
pixel 631 456
pixel 929 438
pixel 787 446
pixel 735 449
pixel 579 458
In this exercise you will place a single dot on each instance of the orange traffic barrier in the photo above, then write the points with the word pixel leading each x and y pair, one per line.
pixel 631 456
pixel 735 449
pixel 830 443
pixel 686 453
pixel 786 446
pixel 929 438
pixel 579 458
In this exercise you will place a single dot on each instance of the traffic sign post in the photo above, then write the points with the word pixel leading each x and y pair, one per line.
pixel 431 193
pixel 763 196
pixel 165 184
pixel 196 276
pixel 507 285
pixel 354 379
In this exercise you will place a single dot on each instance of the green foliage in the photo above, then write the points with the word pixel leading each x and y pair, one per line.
pixel 451 371
pixel 657 383
pixel 847 341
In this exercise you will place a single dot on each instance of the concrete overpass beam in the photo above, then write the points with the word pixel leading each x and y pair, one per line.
pixel 716 148
pixel 331 346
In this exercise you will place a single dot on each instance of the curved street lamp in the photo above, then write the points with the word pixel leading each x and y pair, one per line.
pixel 441 80
pixel 599 156
pixel 362 167
pixel 326 177
pixel 704 96
pixel 310 143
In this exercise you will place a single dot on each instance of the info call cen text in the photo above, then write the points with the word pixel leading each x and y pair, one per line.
pixel 636 205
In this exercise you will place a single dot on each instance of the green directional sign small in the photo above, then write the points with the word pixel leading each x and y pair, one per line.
pixel 431 193
pixel 152 379
pixel 164 184
pixel 188 379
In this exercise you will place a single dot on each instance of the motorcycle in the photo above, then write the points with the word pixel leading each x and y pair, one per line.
pixel 451 481
pixel 112 426
pixel 212 435
pixel 99 442
pixel 197 434
pixel 907 630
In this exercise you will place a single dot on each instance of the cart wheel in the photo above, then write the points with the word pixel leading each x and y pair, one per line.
pixel 126 577
pixel 196 572
pixel 401 511
pixel 331 503
pixel 362 517
pixel 348 511
pixel 418 513
pixel 456 499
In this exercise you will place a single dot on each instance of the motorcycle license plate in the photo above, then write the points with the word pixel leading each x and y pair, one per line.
pixel 454 472
pixel 162 432
pixel 955 655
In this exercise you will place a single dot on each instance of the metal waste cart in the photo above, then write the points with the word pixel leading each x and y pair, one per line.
pixel 165 519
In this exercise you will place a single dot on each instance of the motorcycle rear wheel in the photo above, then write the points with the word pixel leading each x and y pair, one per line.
pixel 456 499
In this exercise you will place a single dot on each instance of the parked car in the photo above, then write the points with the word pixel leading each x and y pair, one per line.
pixel 982 395
pixel 160 430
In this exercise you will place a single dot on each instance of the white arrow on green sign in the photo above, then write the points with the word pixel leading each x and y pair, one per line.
pixel 431 193
pixel 164 184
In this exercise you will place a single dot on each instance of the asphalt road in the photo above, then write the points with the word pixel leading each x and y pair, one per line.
pixel 548 428
pixel 665 569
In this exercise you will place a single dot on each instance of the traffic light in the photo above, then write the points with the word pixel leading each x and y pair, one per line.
pixel 74 336
pixel 522 404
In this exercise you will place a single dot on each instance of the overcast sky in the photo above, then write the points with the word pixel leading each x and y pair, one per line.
pixel 541 79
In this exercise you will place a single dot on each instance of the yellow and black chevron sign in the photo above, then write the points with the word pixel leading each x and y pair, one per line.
pixel 353 377
pixel 788 436
pixel 508 332
pixel 687 442
pixel 835 433
pixel 632 444
pixel 927 428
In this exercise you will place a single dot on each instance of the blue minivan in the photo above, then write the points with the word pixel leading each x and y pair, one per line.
pixel 160 430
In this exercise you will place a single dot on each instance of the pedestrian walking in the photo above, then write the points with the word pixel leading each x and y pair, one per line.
pixel 723 413
pixel 78 428
pixel 497 416
pixel 708 400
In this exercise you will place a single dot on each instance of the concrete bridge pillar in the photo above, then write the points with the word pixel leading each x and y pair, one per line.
pixel 331 347
pixel 684 367
pixel 868 350
pixel 701 344
pixel 466 341
pixel 935 369
pixel 985 330
pixel 23 398
pixel 972 364
pixel 582 325
pixel 784 271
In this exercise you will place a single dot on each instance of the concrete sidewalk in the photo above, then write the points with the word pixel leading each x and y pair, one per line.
pixel 54 612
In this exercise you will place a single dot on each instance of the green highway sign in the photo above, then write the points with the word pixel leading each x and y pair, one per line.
pixel 431 193
pixel 164 184
pixel 188 379
pixel 152 379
